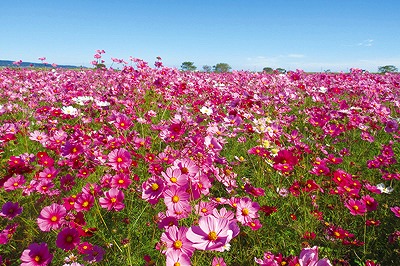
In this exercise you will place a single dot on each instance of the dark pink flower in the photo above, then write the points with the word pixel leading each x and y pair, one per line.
pixel 120 181
pixel 51 217
pixel 396 211
pixel 84 202
pixel 36 255
pixel 68 238
pixel 356 207
pixel 370 203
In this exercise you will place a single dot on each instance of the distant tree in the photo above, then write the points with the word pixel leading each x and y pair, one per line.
pixel 188 66
pixel 268 70
pixel 222 67
pixel 100 66
pixel 207 68
pixel 387 69
pixel 281 70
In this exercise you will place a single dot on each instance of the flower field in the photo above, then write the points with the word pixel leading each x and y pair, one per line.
pixel 154 166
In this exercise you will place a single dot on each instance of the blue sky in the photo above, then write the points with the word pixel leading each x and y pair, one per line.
pixel 248 35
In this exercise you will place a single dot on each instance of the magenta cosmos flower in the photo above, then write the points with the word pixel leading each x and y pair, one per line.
pixel 119 159
pixel 152 189
pixel 51 217
pixel 112 200
pixel 36 255
pixel 68 239
pixel 396 211
pixel 10 210
pixel 212 233
pixel 356 207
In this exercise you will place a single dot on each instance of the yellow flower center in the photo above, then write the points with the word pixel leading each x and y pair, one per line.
pixel 113 200
pixel 38 258
pixel 154 186
pixel 212 236
pixel 85 204
pixel 69 239
pixel 119 159
pixel 177 244
pixel 54 218
pixel 175 199
pixel 173 179
pixel 245 212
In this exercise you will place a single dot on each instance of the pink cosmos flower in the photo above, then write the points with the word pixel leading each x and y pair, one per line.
pixel 175 240
pixel 396 211
pixel 36 255
pixel 119 159
pixel 152 189
pixel 10 210
pixel 112 200
pixel 356 207
pixel 38 136
pixel 68 238
pixel 48 173
pixel 370 203
pixel 177 201
pixel 309 257
pixel 246 210
pixel 205 208
pixel 84 202
pixel 187 167
pixel 174 176
pixel 212 233
pixel 14 183
pixel 218 262
pixel 120 181
pixel 51 217
pixel 175 258
pixel 7 233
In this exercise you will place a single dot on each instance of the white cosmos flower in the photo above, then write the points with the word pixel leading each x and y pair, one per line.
pixel 81 100
pixel 102 103
pixel 69 110
pixel 384 189
pixel 206 110
pixel 323 89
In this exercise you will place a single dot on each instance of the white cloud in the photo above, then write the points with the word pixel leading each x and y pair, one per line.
pixel 366 43
pixel 296 56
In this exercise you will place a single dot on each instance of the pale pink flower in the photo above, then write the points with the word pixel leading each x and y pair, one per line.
pixel 212 233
